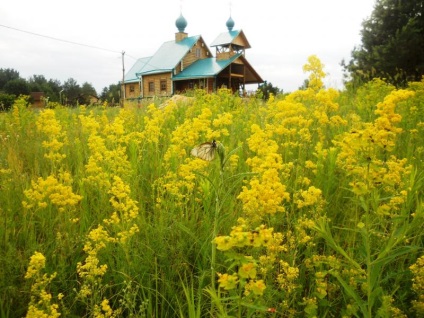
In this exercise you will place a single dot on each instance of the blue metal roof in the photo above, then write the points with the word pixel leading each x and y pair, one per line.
pixel 225 38
pixel 131 75
pixel 205 68
pixel 168 56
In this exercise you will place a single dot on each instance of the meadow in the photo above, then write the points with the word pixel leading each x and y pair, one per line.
pixel 312 206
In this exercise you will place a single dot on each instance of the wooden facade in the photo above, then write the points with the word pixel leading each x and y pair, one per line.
pixel 132 90
pixel 197 52
pixel 157 85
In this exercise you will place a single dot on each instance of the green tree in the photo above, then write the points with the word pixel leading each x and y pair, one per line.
pixel 51 89
pixel 55 86
pixel 7 75
pixel 37 83
pixel 87 91
pixel 392 44
pixel 111 94
pixel 71 92
pixel 265 89
pixel 17 87
pixel 6 101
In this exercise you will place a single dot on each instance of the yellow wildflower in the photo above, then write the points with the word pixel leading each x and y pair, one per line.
pixel 223 243
pixel 247 270
pixel 256 286
pixel 37 262
pixel 227 281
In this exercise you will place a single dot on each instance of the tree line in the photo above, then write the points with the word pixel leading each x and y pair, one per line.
pixel 69 93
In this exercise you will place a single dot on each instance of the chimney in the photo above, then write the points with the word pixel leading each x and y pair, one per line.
pixel 180 36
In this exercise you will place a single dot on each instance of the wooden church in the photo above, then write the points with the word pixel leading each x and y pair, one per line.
pixel 187 62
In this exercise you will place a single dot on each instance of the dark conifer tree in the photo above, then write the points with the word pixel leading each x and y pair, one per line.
pixel 392 44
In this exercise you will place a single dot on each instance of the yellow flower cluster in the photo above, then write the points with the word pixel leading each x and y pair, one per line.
pixel 181 184
pixel 200 125
pixel 90 270
pixel 229 282
pixel 187 135
pixel 287 277
pixel 125 210
pixel 386 111
pixel 18 110
pixel 257 287
pixel 266 193
pixel 247 270
pixel 324 111
pixel 55 191
pixel 417 270
pixel 89 124
pixel 96 174
pixel 119 228
pixel 41 301
pixel 246 277
pixel 56 137
pixel 114 131
pixel 315 68
pixel 310 197
pixel 318 261
pixel 108 152
pixel 388 310
pixel 304 226
pixel 320 267
pixel 36 264
pixel 286 120
pixel 220 123
pixel 153 123
pixel 105 311
pixel 364 150
pixel 321 285
pixel 240 236
pixel 181 179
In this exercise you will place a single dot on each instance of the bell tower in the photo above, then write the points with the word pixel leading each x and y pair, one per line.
pixel 230 43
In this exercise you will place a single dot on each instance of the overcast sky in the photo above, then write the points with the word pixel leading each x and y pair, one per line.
pixel 282 34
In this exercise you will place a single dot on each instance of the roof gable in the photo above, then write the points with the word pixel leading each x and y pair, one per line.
pixel 168 56
pixel 231 37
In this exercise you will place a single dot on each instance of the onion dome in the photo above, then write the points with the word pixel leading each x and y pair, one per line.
pixel 230 24
pixel 181 23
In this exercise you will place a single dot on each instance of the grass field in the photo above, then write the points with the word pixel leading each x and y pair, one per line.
pixel 312 207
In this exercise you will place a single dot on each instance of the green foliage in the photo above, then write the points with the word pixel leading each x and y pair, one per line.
pixel 50 88
pixel 72 92
pixel 6 101
pixel 266 89
pixel 392 44
pixel 111 94
pixel 17 87
pixel 7 75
